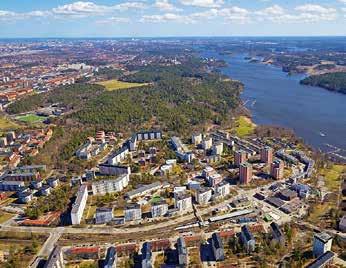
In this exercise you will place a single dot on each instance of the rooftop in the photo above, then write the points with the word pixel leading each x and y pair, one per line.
pixel 324 237
pixel 322 260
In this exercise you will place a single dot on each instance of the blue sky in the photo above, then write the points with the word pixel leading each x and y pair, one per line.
pixel 136 18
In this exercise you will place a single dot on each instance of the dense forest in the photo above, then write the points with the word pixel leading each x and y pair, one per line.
pixel 331 81
pixel 175 103
pixel 71 96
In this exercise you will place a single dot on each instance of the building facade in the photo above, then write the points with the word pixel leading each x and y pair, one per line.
pixel 240 157
pixel 79 204
pixel 132 212
pixel 277 169
pixel 266 155
pixel 322 244
pixel 245 173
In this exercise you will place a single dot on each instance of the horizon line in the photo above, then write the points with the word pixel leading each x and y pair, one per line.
pixel 174 36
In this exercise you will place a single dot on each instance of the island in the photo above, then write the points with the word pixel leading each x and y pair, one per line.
pixel 331 81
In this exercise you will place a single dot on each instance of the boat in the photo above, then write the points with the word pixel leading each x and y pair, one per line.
pixel 322 134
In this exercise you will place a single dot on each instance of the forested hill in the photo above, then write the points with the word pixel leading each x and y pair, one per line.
pixel 331 81
pixel 177 99
pixel 175 104
pixel 72 96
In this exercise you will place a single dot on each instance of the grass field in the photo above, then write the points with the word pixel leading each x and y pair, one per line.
pixel 116 84
pixel 4 216
pixel 244 126
pixel 332 176
pixel 6 124
pixel 30 118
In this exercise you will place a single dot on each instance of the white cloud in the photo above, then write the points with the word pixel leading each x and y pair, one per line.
pixel 165 5
pixel 315 9
pixel 301 14
pixel 168 17
pixel 82 9
pixel 209 14
pixel 202 3
pixel 129 6
pixel 274 10
pixel 236 15
pixel 113 20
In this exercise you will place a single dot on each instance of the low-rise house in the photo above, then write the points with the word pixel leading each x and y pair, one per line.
pixel 159 209
pixel 160 245
pixel 84 253
pixel 132 212
pixel 103 215
pixel 45 190
pixel 217 247
pixel 25 197
pixel 247 239
pixel 126 249
pixel 53 182
pixel 36 184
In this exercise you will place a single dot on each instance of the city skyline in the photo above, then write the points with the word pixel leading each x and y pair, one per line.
pixel 162 18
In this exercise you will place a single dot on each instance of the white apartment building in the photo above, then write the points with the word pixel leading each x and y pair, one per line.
pixel 79 204
pixel 203 196
pixel 110 186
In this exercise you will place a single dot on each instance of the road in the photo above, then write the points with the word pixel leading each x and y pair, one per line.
pixel 47 247
pixel 111 230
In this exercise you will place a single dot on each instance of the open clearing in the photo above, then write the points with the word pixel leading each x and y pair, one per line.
pixel 332 176
pixel 244 126
pixel 7 124
pixel 116 84
pixel 4 216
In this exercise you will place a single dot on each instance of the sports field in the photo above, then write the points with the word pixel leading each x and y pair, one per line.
pixel 116 84
pixel 30 118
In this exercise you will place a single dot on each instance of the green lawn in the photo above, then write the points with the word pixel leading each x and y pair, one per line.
pixel 244 126
pixel 332 176
pixel 116 84
pixel 30 118
pixel 155 199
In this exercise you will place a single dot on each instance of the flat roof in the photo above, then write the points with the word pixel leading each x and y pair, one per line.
pixel 322 260
pixel 79 197
pixel 324 237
